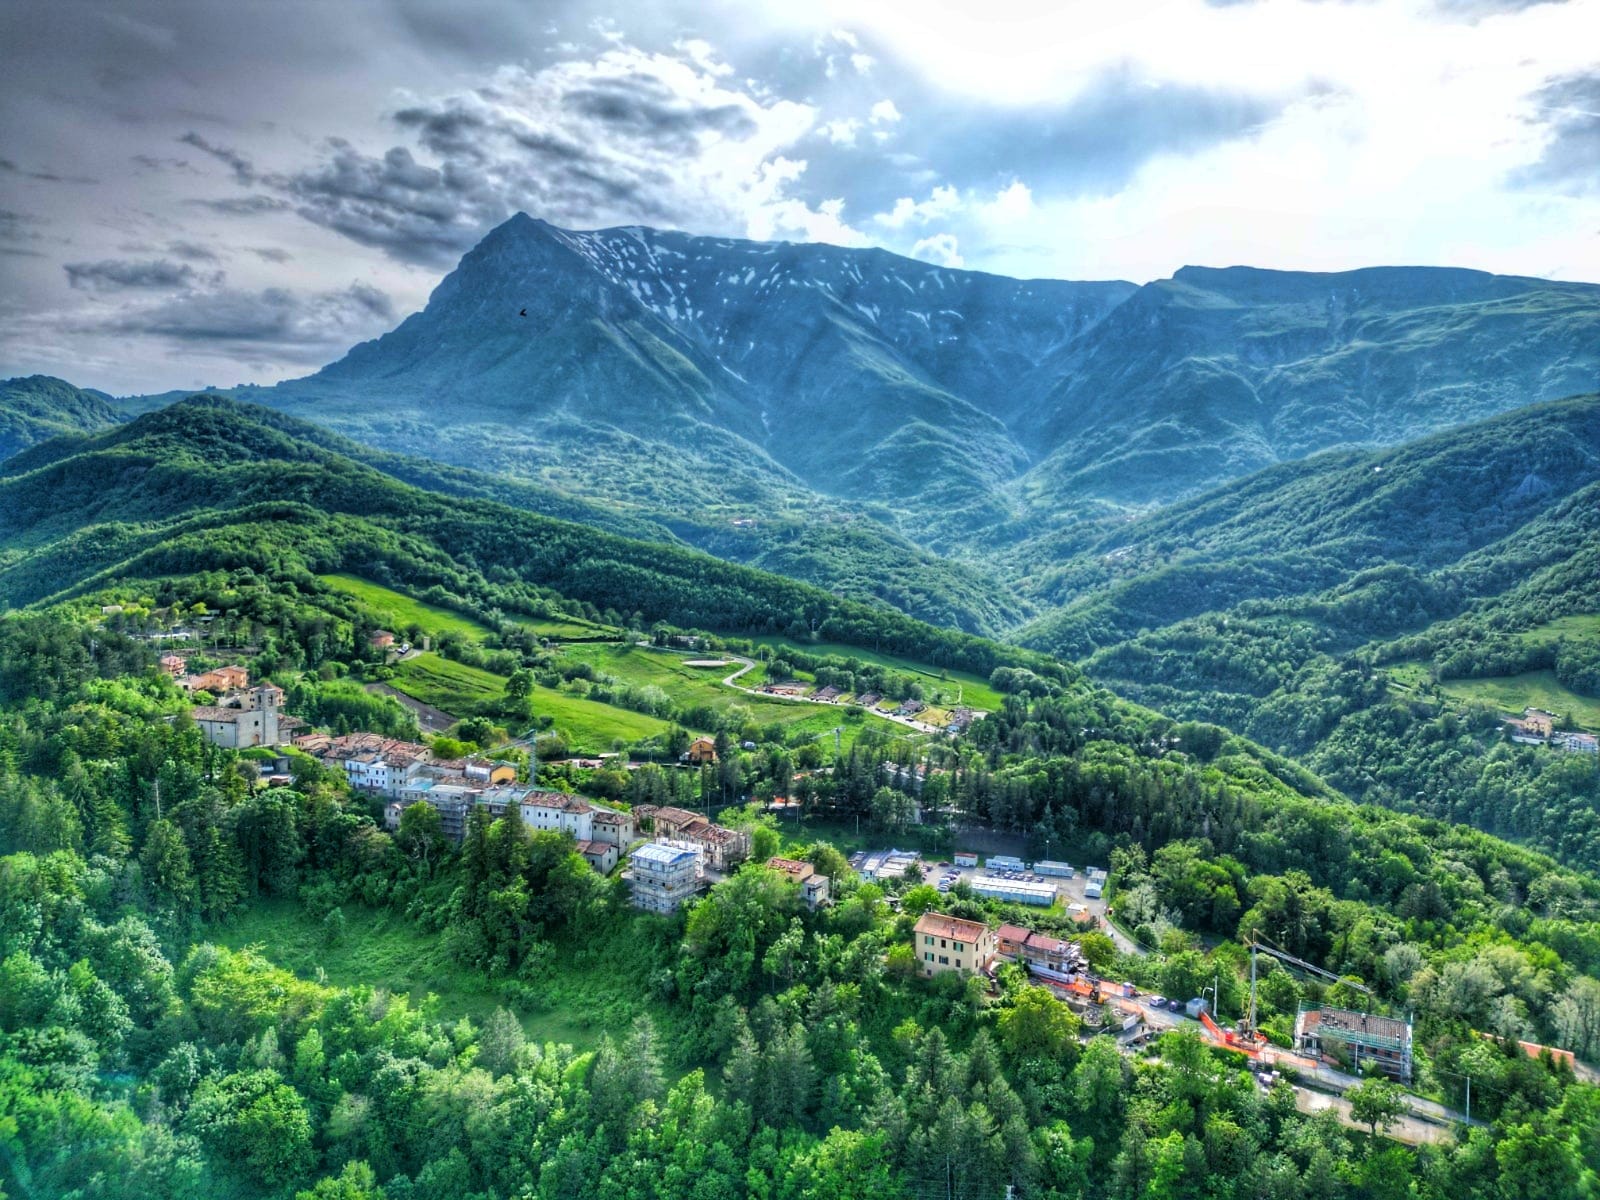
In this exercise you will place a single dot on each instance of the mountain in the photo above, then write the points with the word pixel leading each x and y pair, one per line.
pixel 708 378
pixel 854 373
pixel 1212 374
pixel 37 407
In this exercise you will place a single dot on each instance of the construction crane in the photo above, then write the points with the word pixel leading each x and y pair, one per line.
pixel 1261 945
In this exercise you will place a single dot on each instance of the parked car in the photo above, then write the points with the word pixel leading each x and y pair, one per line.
pixel 1175 1006
pixel 1157 1001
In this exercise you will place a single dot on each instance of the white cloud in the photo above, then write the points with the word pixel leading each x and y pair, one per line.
pixel 884 112
pixel 940 248
pixel 842 132
pixel 941 202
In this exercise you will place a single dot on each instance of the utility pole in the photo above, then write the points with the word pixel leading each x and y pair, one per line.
pixel 1469 1099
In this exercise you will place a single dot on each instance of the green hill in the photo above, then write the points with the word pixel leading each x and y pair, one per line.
pixel 38 407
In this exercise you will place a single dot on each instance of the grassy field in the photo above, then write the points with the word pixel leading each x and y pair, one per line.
pixel 593 989
pixel 1532 689
pixel 444 683
pixel 974 691
pixel 694 686
pixel 400 610
pixel 463 691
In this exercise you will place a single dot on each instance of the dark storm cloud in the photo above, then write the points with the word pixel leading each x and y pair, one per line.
pixel 271 254
pixel 638 105
pixel 275 322
pixel 1570 110
pixel 120 274
pixel 623 138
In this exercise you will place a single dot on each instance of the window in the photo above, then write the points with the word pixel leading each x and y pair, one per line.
pixel 928 955
pixel 959 946
pixel 944 960
pixel 927 939
pixel 942 943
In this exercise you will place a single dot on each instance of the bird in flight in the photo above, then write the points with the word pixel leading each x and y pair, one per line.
pixel 523 313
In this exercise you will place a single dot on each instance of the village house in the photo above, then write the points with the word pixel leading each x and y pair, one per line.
pixel 1051 953
pixel 661 876
pixel 944 943
pixel 602 856
pixel 1009 940
pixel 701 751
pixel 1357 1037
pixel 174 664
pixel 248 719
pixel 488 770
pixel 371 761
pixel 814 887
pixel 217 682
pixel 585 820
pixel 380 639
pixel 721 846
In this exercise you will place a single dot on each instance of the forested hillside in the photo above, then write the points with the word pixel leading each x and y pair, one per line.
pixel 1324 608
pixel 38 408
pixel 748 1048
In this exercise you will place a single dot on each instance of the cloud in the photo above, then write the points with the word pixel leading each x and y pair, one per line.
pixel 243 206
pixel 940 249
pixel 841 132
pixel 271 254
pixel 941 202
pixel 884 112
pixel 193 251
pixel 122 274
pixel 9 167
pixel 1568 109
pixel 269 325
pixel 629 137
pixel 243 170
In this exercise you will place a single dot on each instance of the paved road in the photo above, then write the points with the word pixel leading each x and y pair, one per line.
pixel 1412 1130
pixel 747 664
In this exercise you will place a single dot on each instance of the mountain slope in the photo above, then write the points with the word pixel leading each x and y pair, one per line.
pixel 862 373
pixel 1215 373
pixel 209 483
pixel 37 407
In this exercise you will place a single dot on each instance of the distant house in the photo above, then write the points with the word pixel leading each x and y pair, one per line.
pixel 722 847
pixel 218 681
pixel 944 943
pixel 174 664
pixel 701 750
pixel 602 856
pixel 662 876
pixel 488 770
pixel 827 694
pixel 1578 743
pixel 371 761
pixel 1537 721
pixel 380 639
pixel 813 887
pixel 252 719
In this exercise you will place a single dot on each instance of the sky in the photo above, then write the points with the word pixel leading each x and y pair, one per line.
pixel 210 192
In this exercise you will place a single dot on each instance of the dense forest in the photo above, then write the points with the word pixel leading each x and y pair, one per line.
pixel 749 1048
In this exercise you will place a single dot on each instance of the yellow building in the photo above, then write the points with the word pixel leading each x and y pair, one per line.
pixel 950 944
